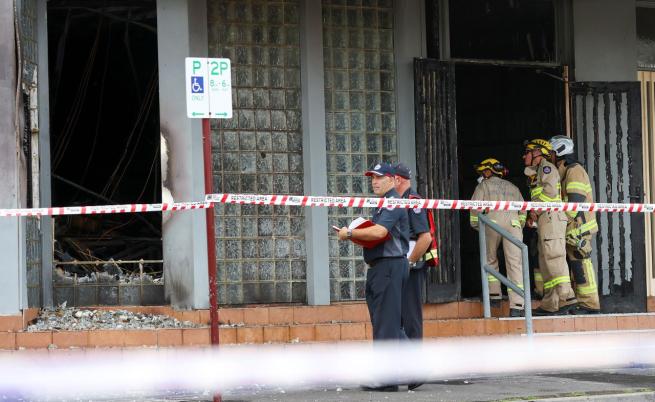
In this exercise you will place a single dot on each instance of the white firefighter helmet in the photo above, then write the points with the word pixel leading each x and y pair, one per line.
pixel 562 145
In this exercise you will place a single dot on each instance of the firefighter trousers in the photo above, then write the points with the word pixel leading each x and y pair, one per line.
pixel 538 282
pixel 584 278
pixel 558 293
pixel 512 263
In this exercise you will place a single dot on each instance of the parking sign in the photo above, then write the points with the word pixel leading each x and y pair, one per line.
pixel 208 88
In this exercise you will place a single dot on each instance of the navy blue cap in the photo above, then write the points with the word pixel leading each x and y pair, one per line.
pixel 402 170
pixel 380 169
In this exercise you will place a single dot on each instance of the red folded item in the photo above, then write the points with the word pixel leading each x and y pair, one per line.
pixel 361 223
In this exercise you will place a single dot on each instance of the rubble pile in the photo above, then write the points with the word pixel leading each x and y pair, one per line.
pixel 103 249
pixel 74 319
pixel 63 277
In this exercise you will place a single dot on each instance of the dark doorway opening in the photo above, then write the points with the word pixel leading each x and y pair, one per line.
pixel 508 88
pixel 498 108
pixel 105 149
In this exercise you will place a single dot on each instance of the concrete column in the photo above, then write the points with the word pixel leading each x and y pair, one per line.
pixel 605 40
pixel 12 264
pixel 314 151
pixel 409 42
pixel 182 32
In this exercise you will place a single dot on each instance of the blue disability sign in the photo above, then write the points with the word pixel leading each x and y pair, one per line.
pixel 197 85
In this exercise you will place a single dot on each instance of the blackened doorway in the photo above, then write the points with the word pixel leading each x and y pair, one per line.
pixel 105 149
pixel 498 108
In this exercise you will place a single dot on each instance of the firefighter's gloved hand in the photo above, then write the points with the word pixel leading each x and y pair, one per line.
pixel 573 240
pixel 582 245
pixel 584 248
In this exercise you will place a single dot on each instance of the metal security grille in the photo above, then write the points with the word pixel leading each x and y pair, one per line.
pixel 360 118
pixel 647 80
pixel 607 127
pixel 28 40
pixel 33 261
pixel 260 249
pixel 437 166
pixel 32 224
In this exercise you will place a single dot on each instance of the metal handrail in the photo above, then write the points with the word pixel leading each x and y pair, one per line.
pixel 485 269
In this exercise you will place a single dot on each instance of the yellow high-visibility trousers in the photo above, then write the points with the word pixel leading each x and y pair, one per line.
pixel 558 293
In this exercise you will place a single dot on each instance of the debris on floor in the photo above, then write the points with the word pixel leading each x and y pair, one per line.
pixel 63 277
pixel 75 319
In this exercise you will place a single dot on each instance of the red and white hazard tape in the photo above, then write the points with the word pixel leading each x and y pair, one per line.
pixel 361 202
pixel 326 201
pixel 105 209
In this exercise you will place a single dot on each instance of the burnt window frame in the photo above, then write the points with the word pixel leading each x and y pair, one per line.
pixel 563 46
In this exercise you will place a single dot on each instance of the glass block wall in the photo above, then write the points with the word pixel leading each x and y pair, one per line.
pixel 260 249
pixel 360 118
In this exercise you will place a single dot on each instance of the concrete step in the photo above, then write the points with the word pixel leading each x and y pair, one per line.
pixel 317 332
pixel 294 324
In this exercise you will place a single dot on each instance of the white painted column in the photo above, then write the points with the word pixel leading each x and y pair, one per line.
pixel 409 42
pixel 182 32
pixel 13 296
pixel 314 151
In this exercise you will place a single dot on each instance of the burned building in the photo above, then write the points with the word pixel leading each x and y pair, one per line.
pixel 94 113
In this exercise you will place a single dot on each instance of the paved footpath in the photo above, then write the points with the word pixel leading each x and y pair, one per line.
pixel 632 384
pixel 606 385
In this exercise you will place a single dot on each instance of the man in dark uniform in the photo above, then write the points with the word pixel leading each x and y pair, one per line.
pixel 420 240
pixel 387 261
pixel 419 243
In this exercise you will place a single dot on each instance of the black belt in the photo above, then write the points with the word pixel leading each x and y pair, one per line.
pixel 377 260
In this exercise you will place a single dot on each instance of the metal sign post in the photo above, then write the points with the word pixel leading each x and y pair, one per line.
pixel 211 241
pixel 209 95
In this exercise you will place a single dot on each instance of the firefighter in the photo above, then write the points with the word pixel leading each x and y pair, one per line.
pixel 581 227
pixel 558 297
pixel 492 187
pixel 533 250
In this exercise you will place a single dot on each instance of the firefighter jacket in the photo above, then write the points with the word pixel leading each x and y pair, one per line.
pixel 576 187
pixel 496 189
pixel 545 182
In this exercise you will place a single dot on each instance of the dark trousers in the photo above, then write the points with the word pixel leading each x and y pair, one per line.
pixel 412 308
pixel 384 284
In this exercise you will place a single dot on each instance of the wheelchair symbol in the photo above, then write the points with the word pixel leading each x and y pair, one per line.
pixel 197 85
